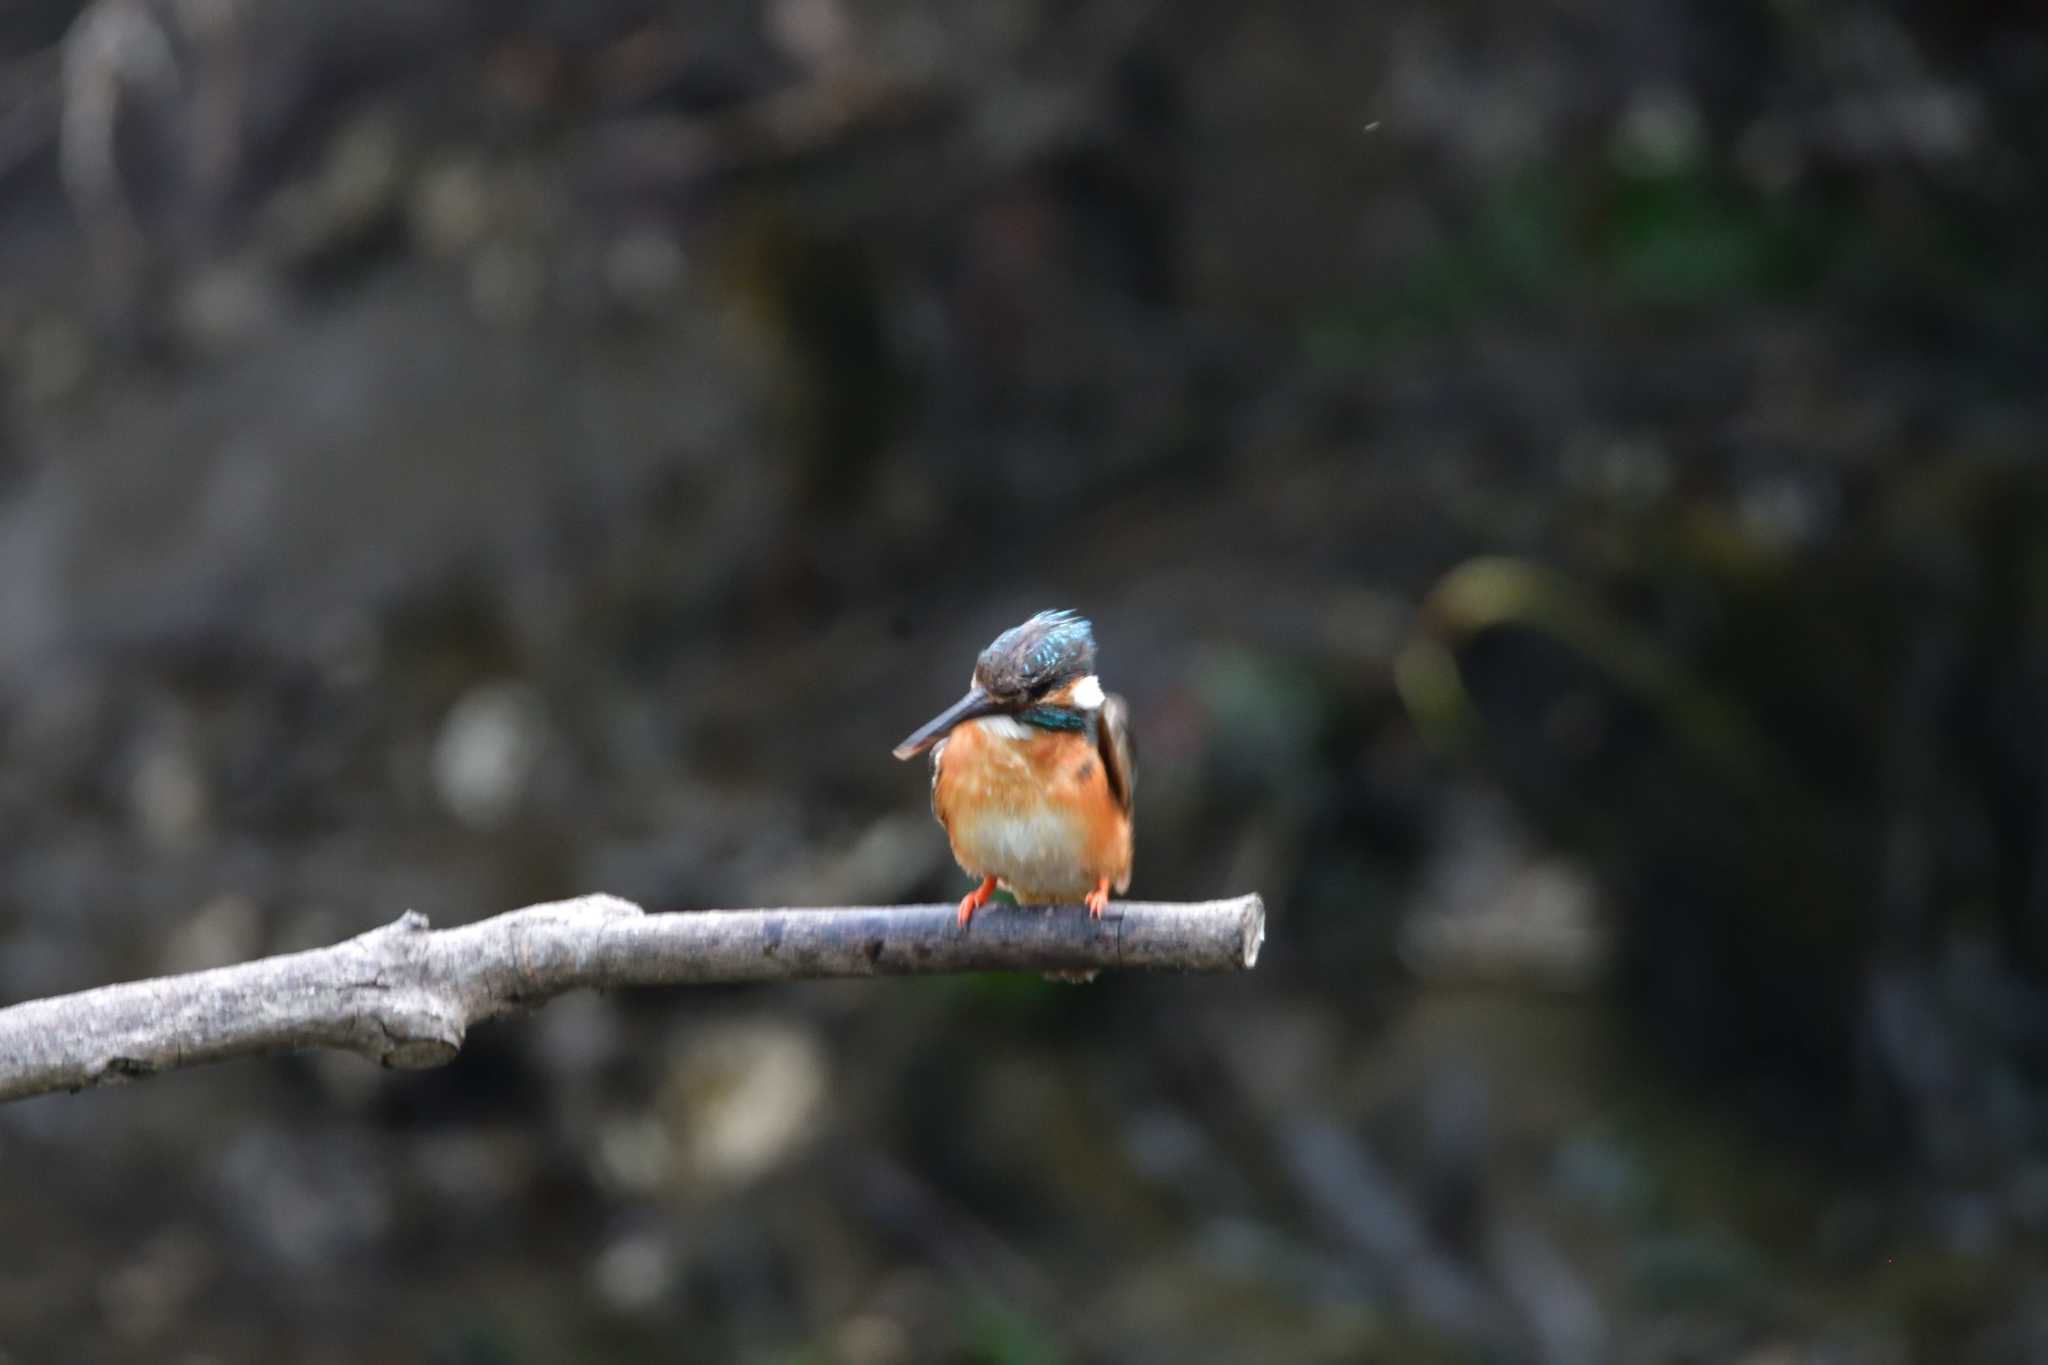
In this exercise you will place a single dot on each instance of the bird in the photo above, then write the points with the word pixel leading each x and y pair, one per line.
pixel 1032 771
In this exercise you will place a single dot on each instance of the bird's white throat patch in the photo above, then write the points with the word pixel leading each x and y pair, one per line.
pixel 1004 727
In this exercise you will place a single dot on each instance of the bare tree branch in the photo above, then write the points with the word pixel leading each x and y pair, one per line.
pixel 405 995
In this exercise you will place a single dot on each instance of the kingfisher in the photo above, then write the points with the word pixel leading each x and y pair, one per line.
pixel 1032 771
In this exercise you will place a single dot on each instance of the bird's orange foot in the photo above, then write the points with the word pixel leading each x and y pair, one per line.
pixel 1098 899
pixel 975 899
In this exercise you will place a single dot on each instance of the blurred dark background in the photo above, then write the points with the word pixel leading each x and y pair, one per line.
pixel 1561 486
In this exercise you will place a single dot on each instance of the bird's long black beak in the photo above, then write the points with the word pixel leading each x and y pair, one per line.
pixel 975 703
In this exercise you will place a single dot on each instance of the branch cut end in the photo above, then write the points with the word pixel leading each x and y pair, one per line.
pixel 419 1054
pixel 417 1034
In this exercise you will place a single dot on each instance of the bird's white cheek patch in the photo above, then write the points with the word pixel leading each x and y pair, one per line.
pixel 1088 693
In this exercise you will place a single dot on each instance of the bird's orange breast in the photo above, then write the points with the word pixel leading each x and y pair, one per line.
pixel 1032 808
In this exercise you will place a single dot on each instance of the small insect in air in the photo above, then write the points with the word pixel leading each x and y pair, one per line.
pixel 1032 770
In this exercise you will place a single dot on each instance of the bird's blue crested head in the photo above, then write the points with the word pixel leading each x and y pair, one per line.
pixel 1047 651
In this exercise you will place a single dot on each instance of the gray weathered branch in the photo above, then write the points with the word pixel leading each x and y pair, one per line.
pixel 405 995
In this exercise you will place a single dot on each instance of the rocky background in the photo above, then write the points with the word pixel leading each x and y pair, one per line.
pixel 1560 485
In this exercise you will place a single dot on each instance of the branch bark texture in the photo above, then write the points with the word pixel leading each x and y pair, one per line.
pixel 406 995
